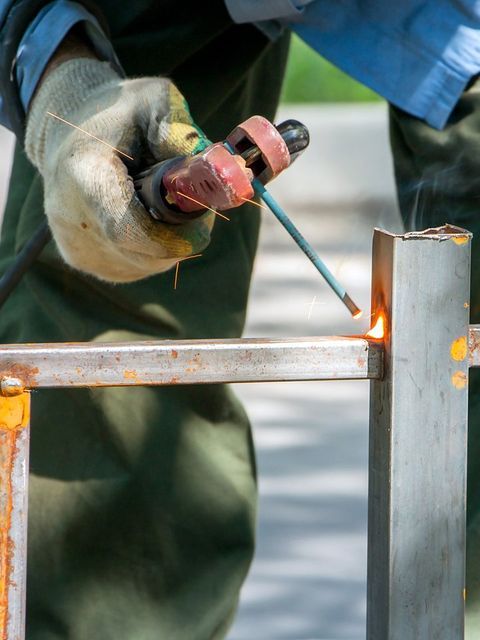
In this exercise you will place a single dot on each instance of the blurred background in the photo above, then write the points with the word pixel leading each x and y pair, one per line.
pixel 308 580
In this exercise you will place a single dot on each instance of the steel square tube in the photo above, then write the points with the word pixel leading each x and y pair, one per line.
pixel 14 450
pixel 418 437
pixel 191 362
pixel 418 440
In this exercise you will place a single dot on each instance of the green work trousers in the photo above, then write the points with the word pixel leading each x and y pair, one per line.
pixel 143 500
pixel 438 181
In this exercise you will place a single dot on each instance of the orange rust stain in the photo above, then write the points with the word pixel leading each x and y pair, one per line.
pixel 130 374
pixel 14 415
pixel 460 239
pixel 459 380
pixel 8 447
pixel 14 412
pixel 174 353
pixel 195 364
pixel 459 349
pixel 26 374
pixel 361 362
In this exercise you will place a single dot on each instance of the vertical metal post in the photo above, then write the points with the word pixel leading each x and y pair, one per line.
pixel 418 437
pixel 14 449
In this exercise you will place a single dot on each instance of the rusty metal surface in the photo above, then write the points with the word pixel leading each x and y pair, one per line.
pixel 191 362
pixel 474 345
pixel 14 445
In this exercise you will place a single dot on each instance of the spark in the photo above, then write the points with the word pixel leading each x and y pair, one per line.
pixel 378 329
pixel 203 205
pixel 262 206
pixel 312 304
pixel 196 255
pixel 177 267
pixel 87 133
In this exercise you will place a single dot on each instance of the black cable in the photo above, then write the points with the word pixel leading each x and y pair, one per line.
pixel 23 260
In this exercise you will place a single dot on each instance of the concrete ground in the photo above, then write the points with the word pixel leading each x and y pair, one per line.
pixel 308 578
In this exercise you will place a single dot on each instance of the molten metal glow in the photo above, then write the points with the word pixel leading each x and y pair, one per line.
pixel 358 315
pixel 378 329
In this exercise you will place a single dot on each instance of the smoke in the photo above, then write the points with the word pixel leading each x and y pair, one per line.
pixel 438 197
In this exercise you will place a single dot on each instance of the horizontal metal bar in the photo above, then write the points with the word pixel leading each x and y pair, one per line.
pixel 474 345
pixel 191 362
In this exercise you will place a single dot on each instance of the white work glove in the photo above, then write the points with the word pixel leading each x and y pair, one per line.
pixel 97 221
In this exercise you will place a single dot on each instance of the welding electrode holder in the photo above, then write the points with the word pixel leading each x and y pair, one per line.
pixel 151 191
pixel 265 151
pixel 150 186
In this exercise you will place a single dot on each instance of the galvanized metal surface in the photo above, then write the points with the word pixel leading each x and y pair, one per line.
pixel 418 429
pixel 182 362
pixel 14 449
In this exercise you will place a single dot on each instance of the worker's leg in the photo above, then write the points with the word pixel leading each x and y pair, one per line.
pixel 142 504
pixel 438 181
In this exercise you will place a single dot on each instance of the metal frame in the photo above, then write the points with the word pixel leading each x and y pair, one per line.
pixel 190 362
pixel 418 424
pixel 418 436
pixel 14 448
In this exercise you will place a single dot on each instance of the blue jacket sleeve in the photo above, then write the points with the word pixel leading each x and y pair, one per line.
pixel 30 32
pixel 259 11
pixel 418 54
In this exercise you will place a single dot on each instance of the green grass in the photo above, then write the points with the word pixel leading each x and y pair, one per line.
pixel 310 78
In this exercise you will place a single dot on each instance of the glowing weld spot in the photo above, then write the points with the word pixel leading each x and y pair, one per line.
pixel 459 380
pixel 460 240
pixel 378 329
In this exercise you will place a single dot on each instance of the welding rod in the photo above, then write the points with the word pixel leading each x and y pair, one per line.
pixel 305 246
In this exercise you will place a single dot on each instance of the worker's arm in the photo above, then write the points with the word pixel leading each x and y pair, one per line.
pixel 97 221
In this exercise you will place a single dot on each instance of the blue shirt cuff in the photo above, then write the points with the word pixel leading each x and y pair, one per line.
pixel 414 70
pixel 258 11
pixel 44 35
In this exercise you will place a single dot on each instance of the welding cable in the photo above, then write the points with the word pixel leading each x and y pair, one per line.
pixel 23 260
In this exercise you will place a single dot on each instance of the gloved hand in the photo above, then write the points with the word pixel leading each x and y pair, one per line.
pixel 98 223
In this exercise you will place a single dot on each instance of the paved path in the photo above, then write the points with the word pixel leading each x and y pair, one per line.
pixel 308 578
